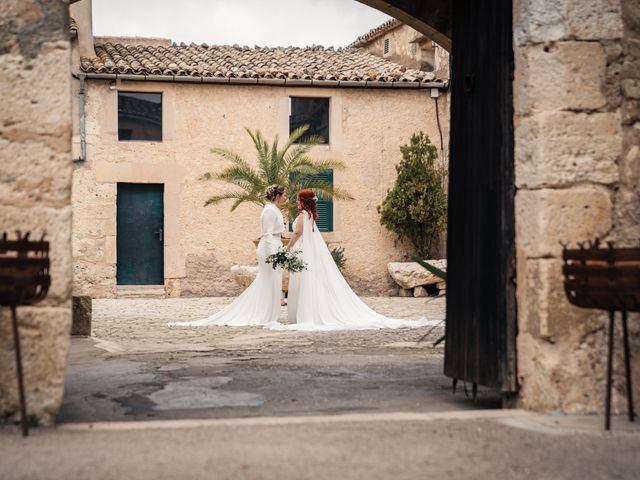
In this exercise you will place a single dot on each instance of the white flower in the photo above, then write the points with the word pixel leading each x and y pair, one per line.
pixel 315 199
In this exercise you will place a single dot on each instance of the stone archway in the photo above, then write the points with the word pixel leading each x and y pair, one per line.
pixel 433 18
pixel 594 45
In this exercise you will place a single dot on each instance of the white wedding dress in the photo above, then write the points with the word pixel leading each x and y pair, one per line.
pixel 259 304
pixel 320 298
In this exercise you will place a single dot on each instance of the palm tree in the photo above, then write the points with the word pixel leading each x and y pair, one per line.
pixel 290 166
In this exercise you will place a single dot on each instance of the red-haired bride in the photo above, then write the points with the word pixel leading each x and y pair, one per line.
pixel 319 296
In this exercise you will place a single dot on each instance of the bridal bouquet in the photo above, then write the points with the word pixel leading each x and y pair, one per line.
pixel 287 260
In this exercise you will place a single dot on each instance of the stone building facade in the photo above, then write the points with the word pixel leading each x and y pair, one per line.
pixel 374 107
pixel 35 193
pixel 402 44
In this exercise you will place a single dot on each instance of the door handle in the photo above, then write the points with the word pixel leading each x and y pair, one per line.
pixel 159 233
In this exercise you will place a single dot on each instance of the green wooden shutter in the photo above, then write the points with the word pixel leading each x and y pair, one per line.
pixel 324 207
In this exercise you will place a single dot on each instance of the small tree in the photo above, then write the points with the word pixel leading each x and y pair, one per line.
pixel 416 207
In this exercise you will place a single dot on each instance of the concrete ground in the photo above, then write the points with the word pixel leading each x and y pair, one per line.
pixel 145 401
pixel 135 367
pixel 509 446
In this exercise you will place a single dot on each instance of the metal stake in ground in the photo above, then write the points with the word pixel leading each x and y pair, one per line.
pixel 24 280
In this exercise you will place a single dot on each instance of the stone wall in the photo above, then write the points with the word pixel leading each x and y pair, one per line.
pixel 406 49
pixel 35 180
pixel 367 128
pixel 403 48
pixel 576 153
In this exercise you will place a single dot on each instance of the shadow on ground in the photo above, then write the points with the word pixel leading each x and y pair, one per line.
pixel 137 368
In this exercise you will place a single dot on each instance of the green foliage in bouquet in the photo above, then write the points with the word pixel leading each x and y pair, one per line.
pixel 416 207
pixel 287 260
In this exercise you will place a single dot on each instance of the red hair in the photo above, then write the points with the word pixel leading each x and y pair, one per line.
pixel 308 199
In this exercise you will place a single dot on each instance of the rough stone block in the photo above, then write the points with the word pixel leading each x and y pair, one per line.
pixel 44 341
pixel 537 21
pixel 631 88
pixel 82 311
pixel 630 112
pixel 613 51
pixel 207 276
pixel 244 275
pixel 563 148
pixel 420 292
pixel 562 76
pixel 57 225
pixel 544 310
pixel 544 218
pixel 630 168
pixel 411 274
pixel 594 19
pixel 626 231
pixel 34 113
pixel 33 174
pixel 405 292
pixel 86 190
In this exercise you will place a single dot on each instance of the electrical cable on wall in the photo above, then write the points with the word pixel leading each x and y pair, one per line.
pixel 439 127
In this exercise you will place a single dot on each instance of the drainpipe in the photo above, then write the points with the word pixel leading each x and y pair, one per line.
pixel 83 133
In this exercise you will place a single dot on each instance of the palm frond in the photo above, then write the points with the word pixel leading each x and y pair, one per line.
pixel 231 156
pixel 291 166
pixel 262 149
pixel 295 136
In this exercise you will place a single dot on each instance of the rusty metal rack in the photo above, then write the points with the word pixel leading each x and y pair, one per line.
pixel 606 279
pixel 24 280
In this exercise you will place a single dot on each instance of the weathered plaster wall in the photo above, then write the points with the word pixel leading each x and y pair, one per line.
pixel 576 153
pixel 35 180
pixel 367 128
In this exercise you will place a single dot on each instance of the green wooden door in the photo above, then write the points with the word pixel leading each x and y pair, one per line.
pixel 140 234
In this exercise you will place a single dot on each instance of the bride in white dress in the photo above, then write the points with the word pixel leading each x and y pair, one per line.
pixel 259 304
pixel 319 297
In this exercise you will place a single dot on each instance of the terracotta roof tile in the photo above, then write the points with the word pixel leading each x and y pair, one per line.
pixel 376 32
pixel 310 63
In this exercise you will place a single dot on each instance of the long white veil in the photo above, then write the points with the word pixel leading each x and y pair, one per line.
pixel 321 299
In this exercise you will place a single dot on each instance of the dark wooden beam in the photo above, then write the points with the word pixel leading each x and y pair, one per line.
pixel 433 18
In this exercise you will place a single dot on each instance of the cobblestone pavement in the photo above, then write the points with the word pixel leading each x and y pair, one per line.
pixel 135 367
pixel 139 325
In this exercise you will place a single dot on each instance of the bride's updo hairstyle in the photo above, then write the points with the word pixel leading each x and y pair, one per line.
pixel 308 199
pixel 273 191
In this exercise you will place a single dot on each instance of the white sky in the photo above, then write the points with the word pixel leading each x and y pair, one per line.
pixel 270 23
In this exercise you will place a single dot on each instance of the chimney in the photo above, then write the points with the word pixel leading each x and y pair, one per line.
pixel 80 11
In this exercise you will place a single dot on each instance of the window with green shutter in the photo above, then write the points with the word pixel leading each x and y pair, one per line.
pixel 324 207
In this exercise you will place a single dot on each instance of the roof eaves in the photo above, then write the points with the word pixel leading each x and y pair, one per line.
pixel 268 81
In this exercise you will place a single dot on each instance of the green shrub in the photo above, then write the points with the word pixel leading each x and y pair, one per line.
pixel 338 256
pixel 416 207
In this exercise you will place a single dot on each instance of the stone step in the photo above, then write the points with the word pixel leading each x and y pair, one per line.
pixel 141 291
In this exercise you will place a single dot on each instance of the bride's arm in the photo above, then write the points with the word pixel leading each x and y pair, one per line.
pixel 297 233
pixel 267 221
